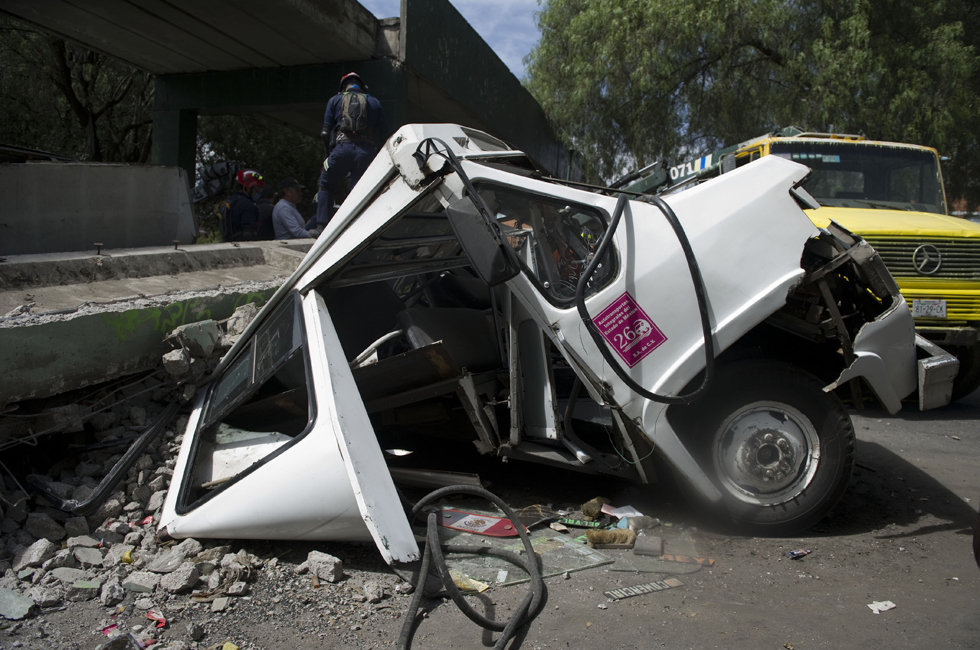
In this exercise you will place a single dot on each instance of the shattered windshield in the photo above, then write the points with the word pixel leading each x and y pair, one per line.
pixel 555 240
pixel 860 175
pixel 260 404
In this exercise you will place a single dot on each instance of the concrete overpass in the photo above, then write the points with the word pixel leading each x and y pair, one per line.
pixel 284 58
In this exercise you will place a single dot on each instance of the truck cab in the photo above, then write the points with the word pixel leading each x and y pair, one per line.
pixel 891 194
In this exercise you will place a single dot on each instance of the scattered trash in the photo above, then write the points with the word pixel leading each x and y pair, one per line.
pixel 642 523
pixel 602 606
pixel 617 538
pixel 158 617
pixel 579 523
pixel 592 508
pixel 535 515
pixel 880 606
pixel 649 545
pixel 559 527
pixel 466 583
pixel 798 553
pixel 687 559
pixel 621 511
pixel 645 588
pixel 480 524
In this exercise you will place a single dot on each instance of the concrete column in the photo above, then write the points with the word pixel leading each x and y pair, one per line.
pixel 174 137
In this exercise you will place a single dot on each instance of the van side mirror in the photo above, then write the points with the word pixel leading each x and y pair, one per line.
pixel 480 238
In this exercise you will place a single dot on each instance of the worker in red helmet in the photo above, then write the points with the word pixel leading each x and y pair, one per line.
pixel 242 221
pixel 353 128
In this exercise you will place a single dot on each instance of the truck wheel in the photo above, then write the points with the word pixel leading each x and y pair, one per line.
pixel 968 378
pixel 779 448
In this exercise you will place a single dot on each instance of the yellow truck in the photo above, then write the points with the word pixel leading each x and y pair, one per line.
pixel 892 195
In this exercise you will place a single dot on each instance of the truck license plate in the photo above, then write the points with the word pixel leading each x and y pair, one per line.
pixel 928 308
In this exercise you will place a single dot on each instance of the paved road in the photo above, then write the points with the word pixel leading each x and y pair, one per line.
pixel 902 534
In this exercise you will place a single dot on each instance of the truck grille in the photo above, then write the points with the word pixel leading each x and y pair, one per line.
pixel 960 258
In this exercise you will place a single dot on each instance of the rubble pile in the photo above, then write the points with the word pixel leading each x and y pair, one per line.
pixel 112 574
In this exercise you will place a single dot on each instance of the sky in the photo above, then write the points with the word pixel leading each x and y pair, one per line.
pixel 508 26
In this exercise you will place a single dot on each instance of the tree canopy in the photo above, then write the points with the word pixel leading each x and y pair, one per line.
pixel 630 82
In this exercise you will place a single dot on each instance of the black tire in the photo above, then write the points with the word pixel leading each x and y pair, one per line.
pixel 968 378
pixel 779 448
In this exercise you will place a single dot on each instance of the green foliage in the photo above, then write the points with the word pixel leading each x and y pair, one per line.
pixel 273 149
pixel 629 82
pixel 59 97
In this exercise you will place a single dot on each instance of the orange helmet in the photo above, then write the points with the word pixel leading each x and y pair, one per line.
pixel 249 179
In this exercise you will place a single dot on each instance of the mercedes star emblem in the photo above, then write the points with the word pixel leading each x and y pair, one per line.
pixel 927 259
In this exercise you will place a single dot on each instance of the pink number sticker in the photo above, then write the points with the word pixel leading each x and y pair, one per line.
pixel 628 330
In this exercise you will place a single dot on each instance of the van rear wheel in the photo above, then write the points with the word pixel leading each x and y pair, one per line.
pixel 779 448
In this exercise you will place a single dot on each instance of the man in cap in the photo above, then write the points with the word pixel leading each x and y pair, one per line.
pixel 287 222
pixel 353 126
pixel 241 223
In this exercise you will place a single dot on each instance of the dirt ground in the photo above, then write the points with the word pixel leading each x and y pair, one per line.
pixel 902 533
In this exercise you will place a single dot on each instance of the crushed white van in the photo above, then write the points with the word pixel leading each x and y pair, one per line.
pixel 458 292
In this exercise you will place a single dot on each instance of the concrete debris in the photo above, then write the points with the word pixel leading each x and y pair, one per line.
pixel 144 582
pixel 35 554
pixel 181 580
pixel 14 606
pixel 325 566
pixel 40 524
pixel 88 557
pixel 113 561
pixel 198 338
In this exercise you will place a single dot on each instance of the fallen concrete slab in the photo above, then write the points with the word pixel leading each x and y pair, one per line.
pixel 76 319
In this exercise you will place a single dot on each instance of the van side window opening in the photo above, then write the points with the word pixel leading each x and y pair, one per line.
pixel 258 407
pixel 554 240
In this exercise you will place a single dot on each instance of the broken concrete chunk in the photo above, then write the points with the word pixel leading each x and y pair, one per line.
pixel 177 362
pixel 198 338
pixel 67 575
pixel 373 591
pixel 112 593
pixel 181 580
pixel 88 557
pixel 86 468
pixel 325 566
pixel 41 550
pixel 167 561
pixel 240 319
pixel 83 590
pixel 220 604
pixel 44 597
pixel 156 501
pixel 40 524
pixel 86 541
pixel 76 526
pixel 190 547
pixel 238 588
pixel 144 582
pixel 110 509
pixel 14 606
pixel 195 631
pixel 62 558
